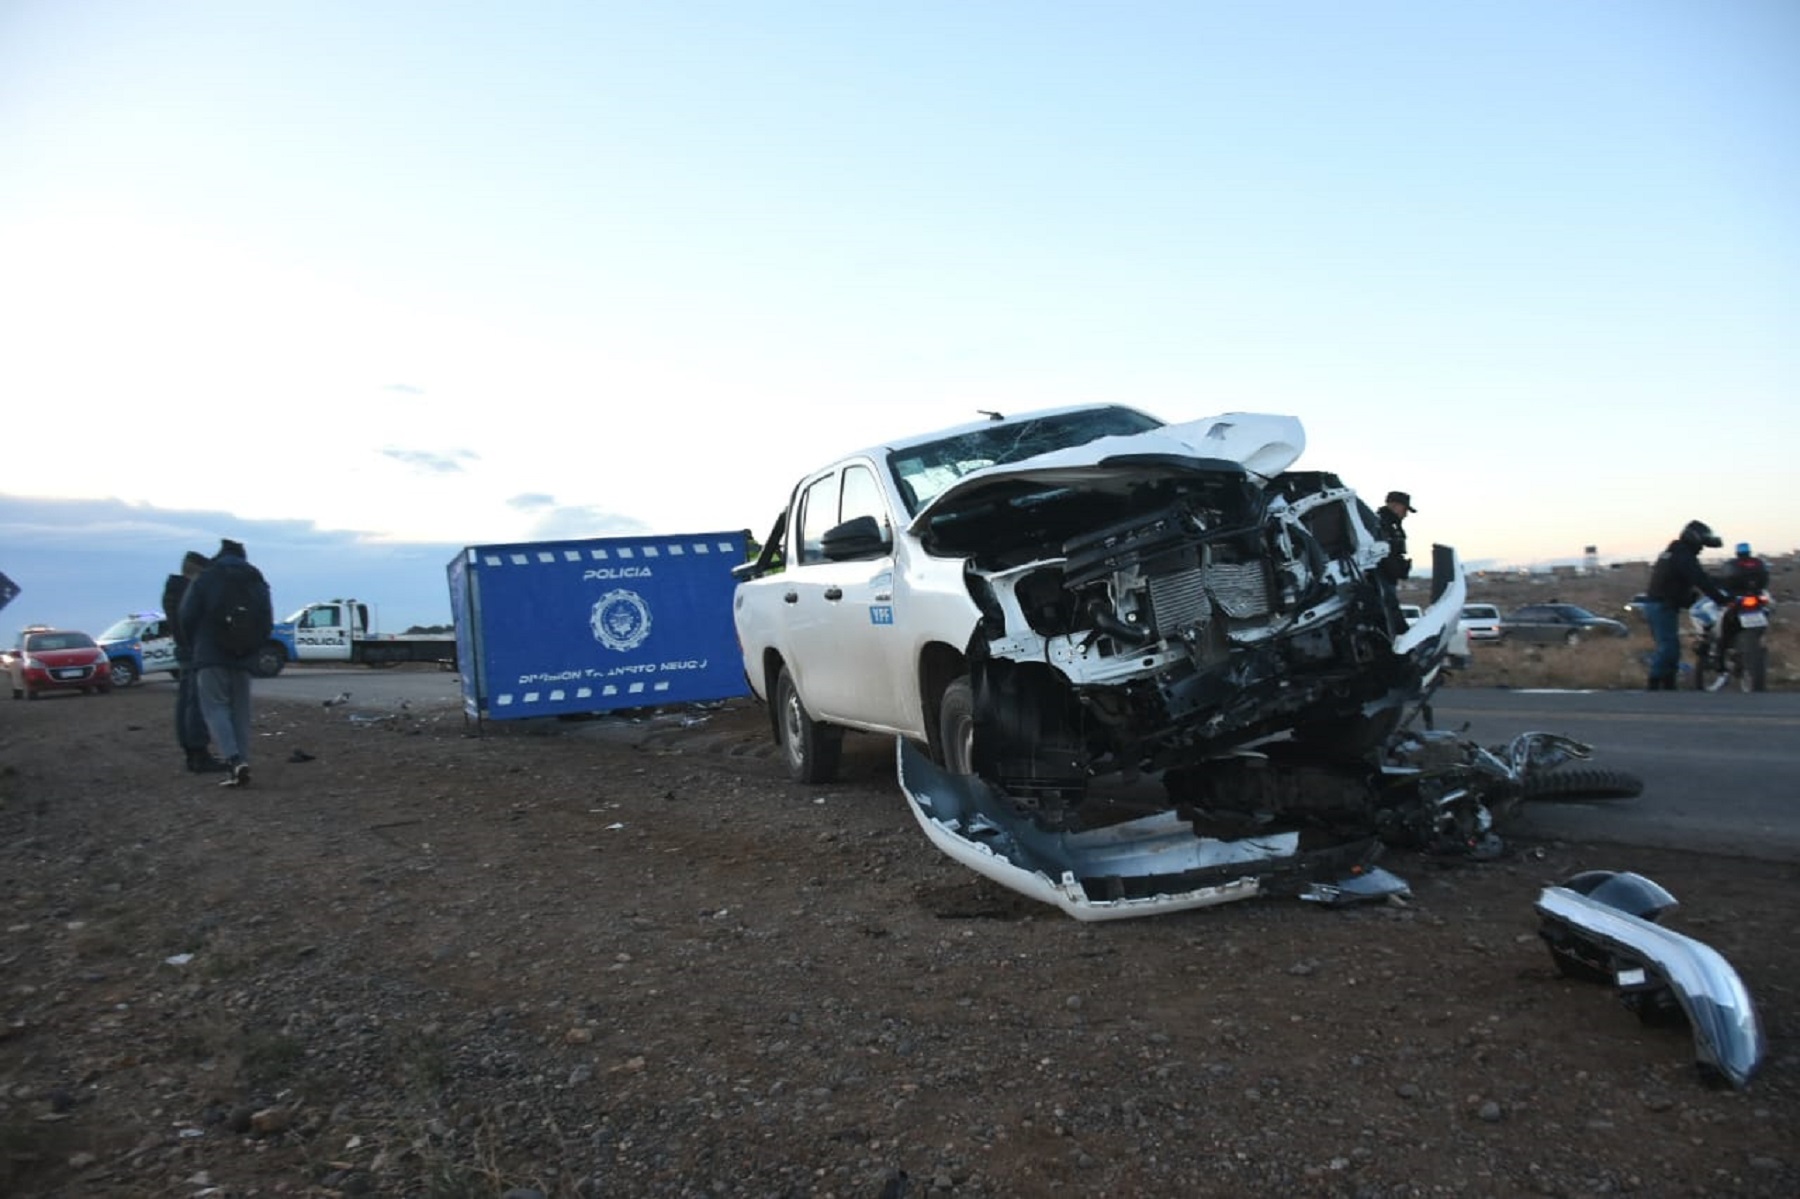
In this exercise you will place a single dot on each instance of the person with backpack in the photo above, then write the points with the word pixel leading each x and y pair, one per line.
pixel 226 617
pixel 190 725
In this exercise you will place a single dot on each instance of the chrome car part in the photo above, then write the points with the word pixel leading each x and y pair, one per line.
pixel 1600 927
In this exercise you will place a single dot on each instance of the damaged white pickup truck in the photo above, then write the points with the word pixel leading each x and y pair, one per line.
pixel 1062 614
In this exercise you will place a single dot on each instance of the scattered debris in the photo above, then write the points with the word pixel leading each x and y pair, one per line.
pixel 1235 827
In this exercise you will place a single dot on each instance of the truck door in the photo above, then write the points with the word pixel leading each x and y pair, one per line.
pixel 322 634
pixel 841 613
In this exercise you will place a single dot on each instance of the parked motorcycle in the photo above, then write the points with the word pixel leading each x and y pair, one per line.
pixel 1746 662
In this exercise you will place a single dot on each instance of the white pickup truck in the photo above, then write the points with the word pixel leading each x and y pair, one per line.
pixel 1050 597
pixel 1030 604
pixel 344 630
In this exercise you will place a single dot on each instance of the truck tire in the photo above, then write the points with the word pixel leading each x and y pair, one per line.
pixel 269 661
pixel 812 748
pixel 124 674
pixel 956 727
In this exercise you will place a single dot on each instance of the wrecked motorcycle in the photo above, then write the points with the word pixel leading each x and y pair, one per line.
pixel 1431 790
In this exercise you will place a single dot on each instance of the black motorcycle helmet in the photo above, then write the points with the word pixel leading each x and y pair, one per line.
pixel 1698 533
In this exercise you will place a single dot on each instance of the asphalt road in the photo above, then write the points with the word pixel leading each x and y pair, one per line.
pixel 1721 772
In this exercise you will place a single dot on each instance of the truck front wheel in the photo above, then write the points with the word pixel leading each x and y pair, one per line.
pixel 269 661
pixel 812 748
pixel 956 727
pixel 124 674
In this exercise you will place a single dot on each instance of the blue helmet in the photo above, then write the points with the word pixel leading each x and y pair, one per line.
pixel 1743 549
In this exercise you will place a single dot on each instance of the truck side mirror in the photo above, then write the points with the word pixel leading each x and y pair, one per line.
pixel 858 537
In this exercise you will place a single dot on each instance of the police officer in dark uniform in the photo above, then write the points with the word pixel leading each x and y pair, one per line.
pixel 1392 529
pixel 190 726
pixel 1676 579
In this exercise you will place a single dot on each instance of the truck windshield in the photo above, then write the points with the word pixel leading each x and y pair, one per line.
pixel 924 471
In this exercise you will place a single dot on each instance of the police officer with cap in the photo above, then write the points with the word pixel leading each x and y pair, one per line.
pixel 1390 521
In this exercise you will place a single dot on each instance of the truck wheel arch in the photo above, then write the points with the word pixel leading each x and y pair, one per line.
pixel 772 665
pixel 939 666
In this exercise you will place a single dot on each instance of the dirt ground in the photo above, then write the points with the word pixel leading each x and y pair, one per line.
pixel 628 957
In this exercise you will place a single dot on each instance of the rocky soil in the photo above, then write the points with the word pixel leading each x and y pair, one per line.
pixel 627 957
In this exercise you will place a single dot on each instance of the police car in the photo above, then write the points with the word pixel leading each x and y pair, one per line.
pixel 143 643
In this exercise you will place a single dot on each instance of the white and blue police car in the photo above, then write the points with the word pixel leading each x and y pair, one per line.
pixel 142 643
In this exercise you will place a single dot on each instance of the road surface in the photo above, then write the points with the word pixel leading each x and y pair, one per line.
pixel 1721 772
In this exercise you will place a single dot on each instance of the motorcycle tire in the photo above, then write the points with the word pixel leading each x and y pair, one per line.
pixel 1582 783
pixel 1754 663
pixel 1702 655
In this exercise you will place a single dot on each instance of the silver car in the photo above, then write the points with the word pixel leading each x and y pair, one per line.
pixel 1567 623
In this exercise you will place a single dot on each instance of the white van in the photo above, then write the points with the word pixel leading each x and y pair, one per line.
pixel 1481 621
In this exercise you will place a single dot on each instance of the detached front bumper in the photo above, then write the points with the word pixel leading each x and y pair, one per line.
pixel 1142 867
pixel 1647 962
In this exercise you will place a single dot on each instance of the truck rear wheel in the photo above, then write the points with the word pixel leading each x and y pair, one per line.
pixel 812 748
pixel 269 661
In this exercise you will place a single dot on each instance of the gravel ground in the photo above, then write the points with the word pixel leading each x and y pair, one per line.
pixel 627 957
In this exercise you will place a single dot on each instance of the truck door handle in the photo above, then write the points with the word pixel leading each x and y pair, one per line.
pixel 792 597
pixel 834 593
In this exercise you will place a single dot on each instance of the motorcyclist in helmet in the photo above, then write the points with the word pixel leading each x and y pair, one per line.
pixel 1745 574
pixel 1675 579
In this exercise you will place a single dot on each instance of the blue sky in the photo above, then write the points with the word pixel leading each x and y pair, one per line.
pixel 400 277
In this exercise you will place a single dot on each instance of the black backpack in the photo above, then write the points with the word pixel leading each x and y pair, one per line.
pixel 245 616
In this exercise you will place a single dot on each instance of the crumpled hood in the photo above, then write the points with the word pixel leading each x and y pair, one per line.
pixel 1255 443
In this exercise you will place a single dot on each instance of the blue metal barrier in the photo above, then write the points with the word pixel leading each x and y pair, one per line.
pixel 559 627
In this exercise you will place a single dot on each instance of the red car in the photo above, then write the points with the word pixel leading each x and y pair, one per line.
pixel 56 660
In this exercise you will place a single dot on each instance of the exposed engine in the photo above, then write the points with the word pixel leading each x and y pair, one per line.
pixel 1207 611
